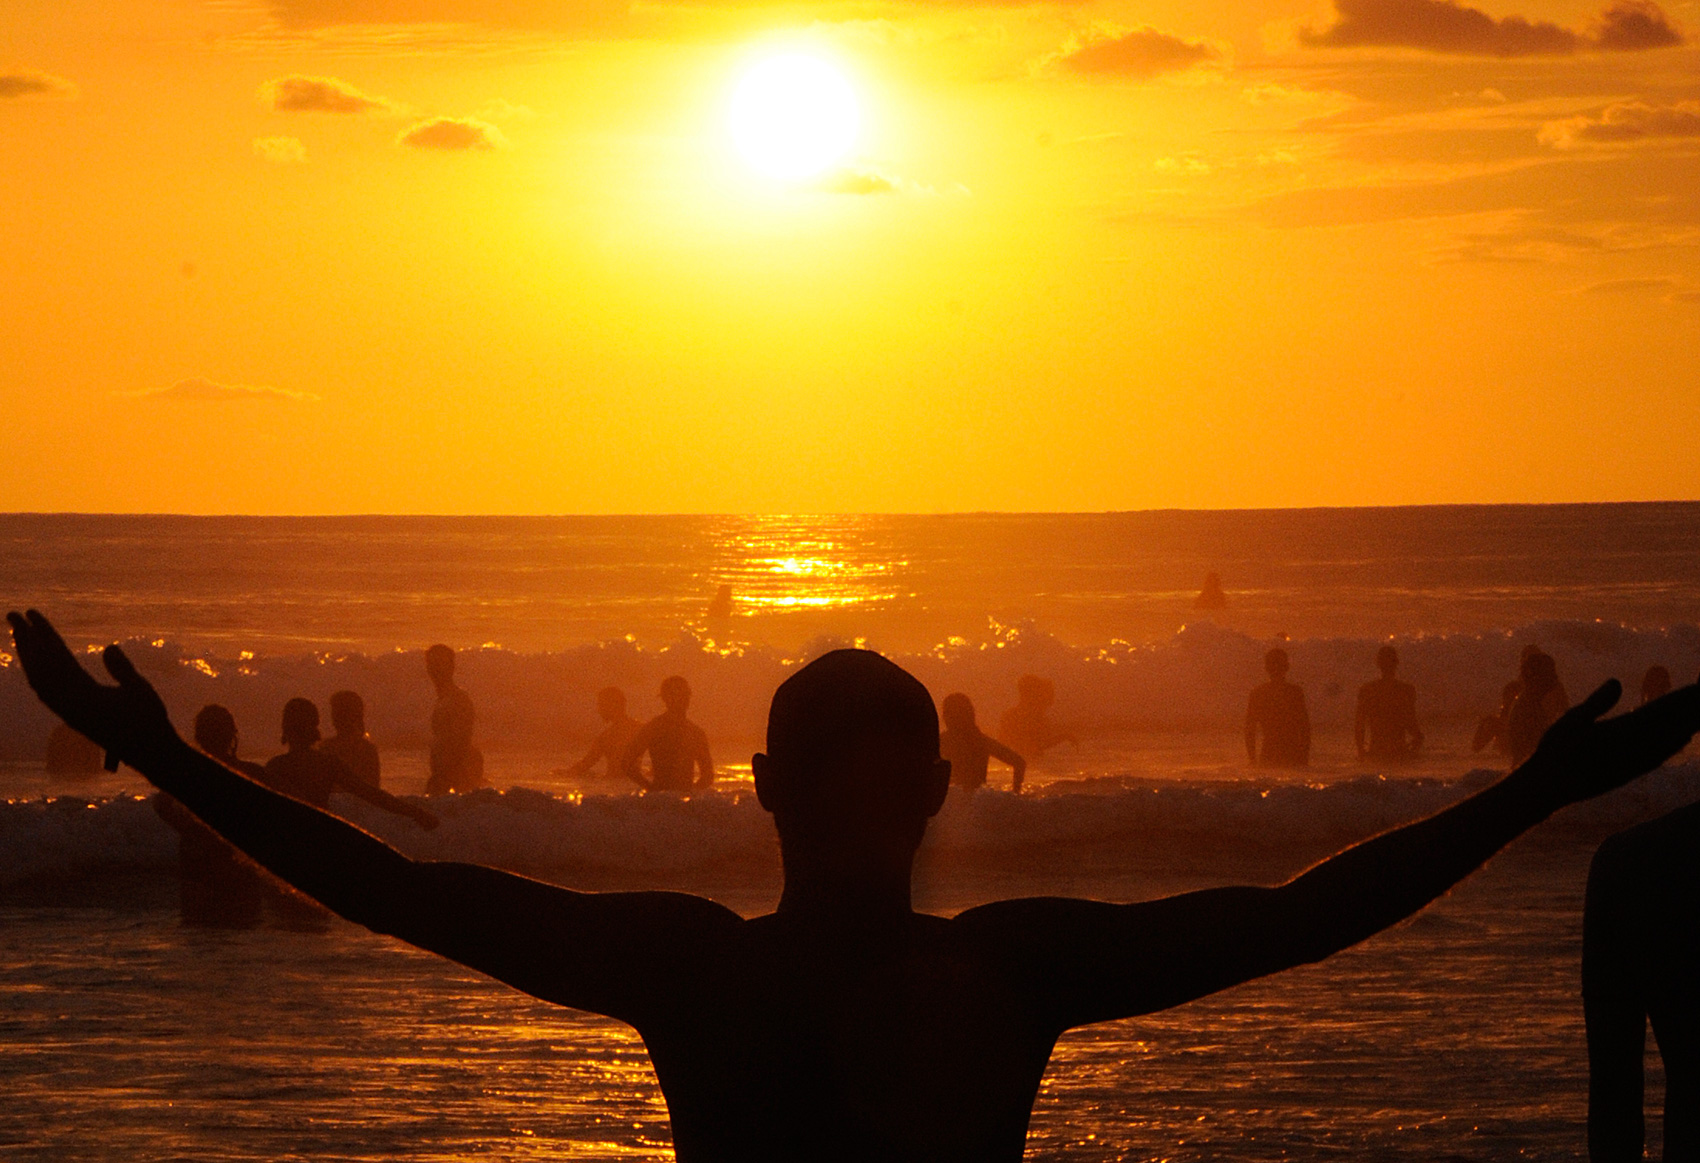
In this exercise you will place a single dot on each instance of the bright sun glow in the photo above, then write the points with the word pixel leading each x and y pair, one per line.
pixel 792 116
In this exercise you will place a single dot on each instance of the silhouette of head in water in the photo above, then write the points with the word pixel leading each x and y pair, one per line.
pixel 611 704
pixel 1276 664
pixel 300 723
pixel 957 710
pixel 348 714
pixel 676 694
pixel 1539 673
pixel 851 775
pixel 215 731
pixel 1387 661
pixel 1655 684
pixel 440 666
pixel 1036 692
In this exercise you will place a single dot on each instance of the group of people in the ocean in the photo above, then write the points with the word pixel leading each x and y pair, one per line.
pixel 844 1026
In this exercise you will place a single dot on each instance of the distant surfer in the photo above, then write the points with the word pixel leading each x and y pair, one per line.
pixel 456 765
pixel 970 750
pixel 1276 710
pixel 720 609
pixel 677 748
pixel 1385 726
pixel 612 742
pixel 1027 726
pixel 349 741
pixel 1211 596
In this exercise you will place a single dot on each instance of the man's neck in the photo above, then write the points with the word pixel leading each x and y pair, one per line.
pixel 840 899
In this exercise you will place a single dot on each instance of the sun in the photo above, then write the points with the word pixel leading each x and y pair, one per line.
pixel 792 116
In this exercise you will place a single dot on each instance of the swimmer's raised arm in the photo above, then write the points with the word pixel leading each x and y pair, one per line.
pixel 1086 961
pixel 610 953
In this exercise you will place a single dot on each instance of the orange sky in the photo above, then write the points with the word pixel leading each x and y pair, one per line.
pixel 498 256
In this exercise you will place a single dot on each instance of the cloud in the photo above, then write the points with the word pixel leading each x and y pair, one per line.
pixel 281 150
pixel 1445 26
pixel 1627 287
pixel 452 133
pixel 201 389
pixel 1626 121
pixel 1142 53
pixel 319 95
pixel 34 84
pixel 847 181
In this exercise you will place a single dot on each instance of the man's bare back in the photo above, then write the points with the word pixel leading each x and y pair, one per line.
pixel 845 1026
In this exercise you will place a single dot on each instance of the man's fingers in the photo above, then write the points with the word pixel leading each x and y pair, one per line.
pixel 119 666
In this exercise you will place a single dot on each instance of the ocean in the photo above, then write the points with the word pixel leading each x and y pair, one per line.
pixel 1457 1035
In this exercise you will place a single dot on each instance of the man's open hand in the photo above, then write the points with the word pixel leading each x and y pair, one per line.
pixel 128 720
pixel 1583 755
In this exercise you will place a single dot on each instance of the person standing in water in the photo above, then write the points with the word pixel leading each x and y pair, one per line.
pixel 311 775
pixel 456 765
pixel 1541 699
pixel 1641 963
pixel 846 1027
pixel 1277 711
pixel 1655 684
pixel 611 744
pixel 219 887
pixel 676 746
pixel 970 751
pixel 1386 723
pixel 349 741
pixel 1027 726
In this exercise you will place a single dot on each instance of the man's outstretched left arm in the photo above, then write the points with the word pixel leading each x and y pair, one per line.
pixel 1088 961
pixel 612 953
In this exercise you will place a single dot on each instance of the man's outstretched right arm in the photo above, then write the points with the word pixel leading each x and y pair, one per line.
pixel 605 952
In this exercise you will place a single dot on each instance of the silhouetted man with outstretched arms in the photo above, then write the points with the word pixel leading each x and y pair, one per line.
pixel 845 1026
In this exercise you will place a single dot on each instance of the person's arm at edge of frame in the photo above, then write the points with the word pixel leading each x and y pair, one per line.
pixel 1097 961
pixel 1614 1012
pixel 543 939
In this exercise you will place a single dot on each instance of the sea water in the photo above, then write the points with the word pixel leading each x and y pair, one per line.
pixel 1457 1035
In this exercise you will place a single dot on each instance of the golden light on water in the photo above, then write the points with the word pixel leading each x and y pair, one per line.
pixel 793 116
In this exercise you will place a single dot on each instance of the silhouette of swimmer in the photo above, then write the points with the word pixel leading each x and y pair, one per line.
pixel 969 751
pixel 615 739
pixel 311 775
pixel 676 746
pixel 1027 725
pixel 1540 700
pixel 720 608
pixel 845 1027
pixel 68 753
pixel 1641 961
pixel 1386 722
pixel 1496 728
pixel 456 765
pixel 1277 709
pixel 218 887
pixel 1211 596
pixel 349 743
pixel 1655 684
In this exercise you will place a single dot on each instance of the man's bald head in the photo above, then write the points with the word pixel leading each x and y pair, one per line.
pixel 847 703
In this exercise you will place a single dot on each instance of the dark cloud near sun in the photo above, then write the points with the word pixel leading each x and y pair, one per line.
pixel 33 84
pixel 299 94
pixel 1444 26
pixel 1140 53
pixel 452 134
pixel 200 389
pixel 1625 122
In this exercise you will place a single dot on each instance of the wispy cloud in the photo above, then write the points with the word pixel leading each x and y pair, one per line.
pixel 1625 122
pixel 281 151
pixel 1615 287
pixel 1140 53
pixel 452 133
pixel 300 94
pixel 199 389
pixel 34 84
pixel 848 181
pixel 1445 26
